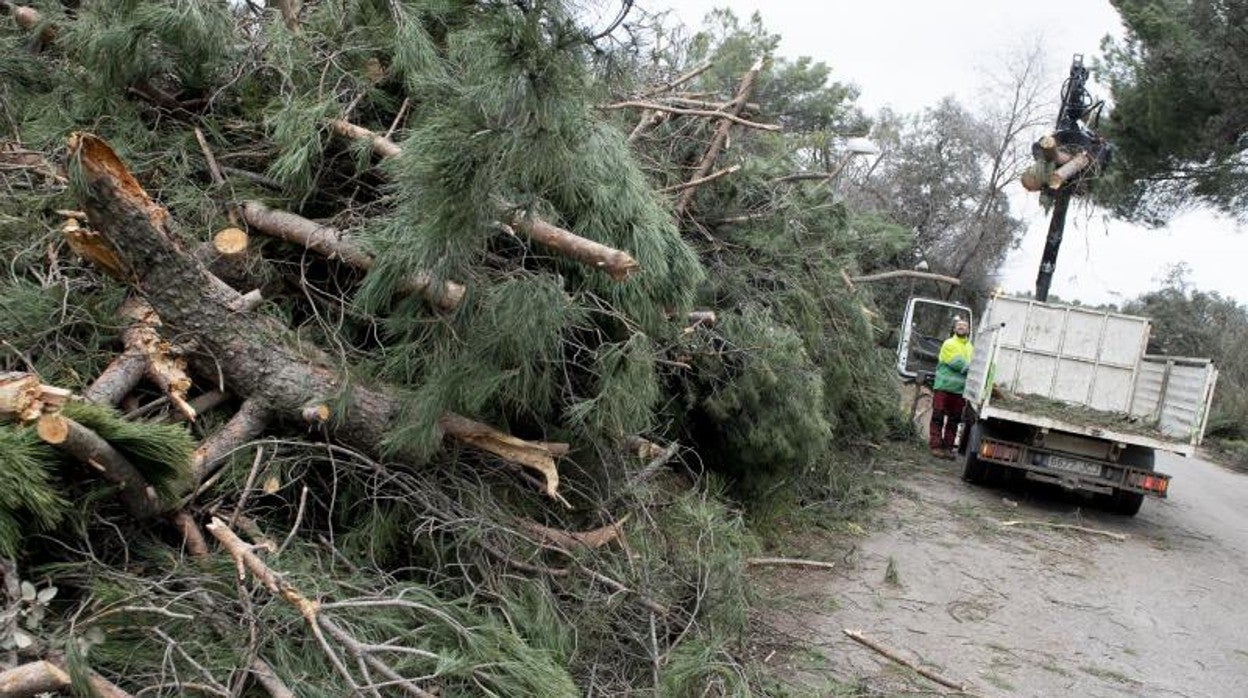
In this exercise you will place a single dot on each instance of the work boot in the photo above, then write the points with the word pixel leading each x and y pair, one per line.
pixel 941 453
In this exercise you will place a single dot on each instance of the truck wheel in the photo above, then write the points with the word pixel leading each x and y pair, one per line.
pixel 1129 503
pixel 973 469
pixel 1126 503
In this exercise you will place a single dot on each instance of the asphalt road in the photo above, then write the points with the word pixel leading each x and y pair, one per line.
pixel 1030 610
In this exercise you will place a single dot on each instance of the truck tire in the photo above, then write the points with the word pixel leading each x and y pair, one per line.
pixel 1126 503
pixel 1129 503
pixel 973 469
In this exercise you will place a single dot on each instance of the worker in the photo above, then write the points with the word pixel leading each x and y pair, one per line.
pixel 947 401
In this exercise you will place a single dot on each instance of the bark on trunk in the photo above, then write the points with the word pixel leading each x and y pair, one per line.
pixel 256 356
pixel 32 679
pixel 335 244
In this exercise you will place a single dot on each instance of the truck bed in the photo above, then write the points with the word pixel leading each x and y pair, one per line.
pixel 1156 441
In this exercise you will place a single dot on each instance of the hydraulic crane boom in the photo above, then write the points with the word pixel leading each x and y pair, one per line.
pixel 1066 162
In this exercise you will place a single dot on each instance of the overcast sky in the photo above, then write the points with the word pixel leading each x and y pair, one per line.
pixel 907 54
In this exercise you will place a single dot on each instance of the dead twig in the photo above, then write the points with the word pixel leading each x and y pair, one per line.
pixel 857 636
pixel 788 562
pixel 1120 537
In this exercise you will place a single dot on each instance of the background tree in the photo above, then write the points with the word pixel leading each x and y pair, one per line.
pixel 946 174
pixel 1190 322
pixel 1180 108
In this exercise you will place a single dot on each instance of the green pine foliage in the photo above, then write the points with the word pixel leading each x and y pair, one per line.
pixel 160 452
pixel 29 495
pixel 495 106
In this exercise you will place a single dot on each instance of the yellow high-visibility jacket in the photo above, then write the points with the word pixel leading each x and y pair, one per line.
pixel 954 361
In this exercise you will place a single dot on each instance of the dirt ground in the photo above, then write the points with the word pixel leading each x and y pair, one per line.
pixel 1025 610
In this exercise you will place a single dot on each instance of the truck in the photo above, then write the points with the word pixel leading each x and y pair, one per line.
pixel 1068 395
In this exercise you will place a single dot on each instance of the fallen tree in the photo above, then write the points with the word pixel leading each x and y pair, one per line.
pixel 255 355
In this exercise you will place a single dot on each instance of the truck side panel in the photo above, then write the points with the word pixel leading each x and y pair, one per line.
pixel 1174 391
pixel 1072 354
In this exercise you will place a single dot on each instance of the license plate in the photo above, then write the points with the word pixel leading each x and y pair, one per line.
pixel 1071 465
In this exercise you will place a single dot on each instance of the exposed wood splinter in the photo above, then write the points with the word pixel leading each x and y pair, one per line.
pixel 571 540
pixel 23 397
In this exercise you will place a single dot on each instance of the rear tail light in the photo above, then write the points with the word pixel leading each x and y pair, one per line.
pixel 999 451
pixel 1150 482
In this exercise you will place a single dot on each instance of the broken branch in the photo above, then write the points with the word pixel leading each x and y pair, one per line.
pixel 908 274
pixel 1066 527
pixel 685 111
pixel 788 562
pixel 720 137
pixel 857 636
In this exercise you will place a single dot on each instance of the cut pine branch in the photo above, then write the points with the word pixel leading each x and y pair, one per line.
pixel 617 263
pixel 384 147
pixel 257 357
pixel 91 450
pixel 336 244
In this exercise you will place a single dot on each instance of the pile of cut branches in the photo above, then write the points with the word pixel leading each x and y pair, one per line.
pixel 349 348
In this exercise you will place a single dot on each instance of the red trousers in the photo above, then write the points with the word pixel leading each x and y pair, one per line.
pixel 946 414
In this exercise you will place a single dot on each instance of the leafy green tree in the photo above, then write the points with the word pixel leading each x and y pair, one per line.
pixel 1191 322
pixel 1180 108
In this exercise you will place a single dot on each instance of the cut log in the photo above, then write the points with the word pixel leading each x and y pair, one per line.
pixel 28 18
pixel 52 428
pixel 1048 147
pixel 335 244
pixel 720 136
pixel 618 264
pixel 256 356
pixel 230 241
pixel 384 147
pixel 316 414
pixel 1066 172
pixel 90 449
